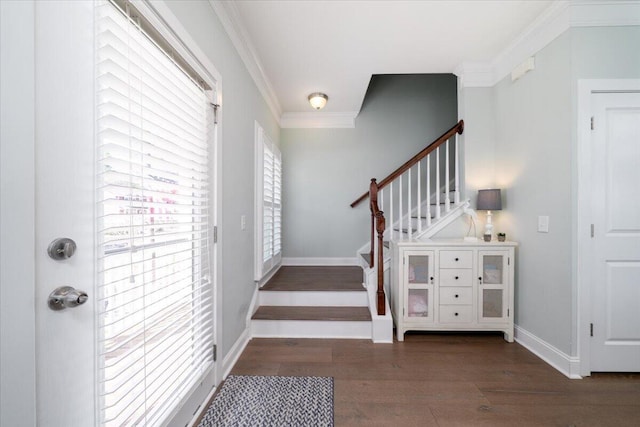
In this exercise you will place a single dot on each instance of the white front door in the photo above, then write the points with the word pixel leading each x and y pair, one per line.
pixel 615 345
pixel 69 389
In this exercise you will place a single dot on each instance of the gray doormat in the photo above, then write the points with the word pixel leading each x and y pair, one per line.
pixel 272 401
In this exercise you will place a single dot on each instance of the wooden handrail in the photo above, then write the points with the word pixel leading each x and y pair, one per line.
pixel 458 128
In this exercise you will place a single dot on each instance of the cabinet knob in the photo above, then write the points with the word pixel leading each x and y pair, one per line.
pixel 480 278
pixel 456 314
pixel 457 259
pixel 431 278
pixel 456 277
pixel 456 295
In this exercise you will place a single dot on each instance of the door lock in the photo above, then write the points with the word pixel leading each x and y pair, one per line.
pixel 66 296
pixel 62 248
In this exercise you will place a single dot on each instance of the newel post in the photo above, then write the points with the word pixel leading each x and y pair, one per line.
pixel 373 199
pixel 380 226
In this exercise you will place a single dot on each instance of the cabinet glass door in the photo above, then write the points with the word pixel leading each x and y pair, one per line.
pixel 418 277
pixel 492 282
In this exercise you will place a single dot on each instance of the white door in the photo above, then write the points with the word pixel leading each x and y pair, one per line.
pixel 615 345
pixel 68 375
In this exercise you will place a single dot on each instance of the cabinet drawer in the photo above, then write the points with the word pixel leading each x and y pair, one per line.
pixel 455 277
pixel 456 259
pixel 456 295
pixel 455 314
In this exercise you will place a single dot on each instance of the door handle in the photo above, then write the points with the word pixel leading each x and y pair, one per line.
pixel 66 296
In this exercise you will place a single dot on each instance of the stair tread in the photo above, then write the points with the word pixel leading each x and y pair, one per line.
pixel 312 313
pixel 314 278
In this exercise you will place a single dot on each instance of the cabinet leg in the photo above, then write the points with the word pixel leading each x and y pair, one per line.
pixel 399 335
pixel 508 335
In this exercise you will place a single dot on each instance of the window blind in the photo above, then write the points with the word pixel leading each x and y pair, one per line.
pixel 155 294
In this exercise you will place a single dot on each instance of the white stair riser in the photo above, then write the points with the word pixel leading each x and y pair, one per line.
pixel 312 298
pixel 310 329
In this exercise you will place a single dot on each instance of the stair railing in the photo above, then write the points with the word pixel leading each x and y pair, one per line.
pixel 423 196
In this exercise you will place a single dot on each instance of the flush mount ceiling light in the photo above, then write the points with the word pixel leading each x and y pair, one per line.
pixel 318 100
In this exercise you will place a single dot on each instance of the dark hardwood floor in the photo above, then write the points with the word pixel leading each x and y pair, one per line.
pixel 447 380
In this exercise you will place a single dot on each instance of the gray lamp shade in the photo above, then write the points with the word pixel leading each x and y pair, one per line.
pixel 489 200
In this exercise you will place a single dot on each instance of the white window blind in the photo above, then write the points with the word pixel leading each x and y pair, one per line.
pixel 155 296
pixel 269 204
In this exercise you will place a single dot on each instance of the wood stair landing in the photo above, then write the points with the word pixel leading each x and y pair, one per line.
pixel 313 302
pixel 302 279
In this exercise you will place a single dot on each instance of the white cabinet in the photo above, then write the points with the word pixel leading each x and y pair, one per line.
pixel 452 286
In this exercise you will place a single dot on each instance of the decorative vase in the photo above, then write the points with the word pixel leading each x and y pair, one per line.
pixel 501 237
pixel 487 237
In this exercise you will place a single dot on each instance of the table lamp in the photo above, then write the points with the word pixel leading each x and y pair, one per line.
pixel 489 200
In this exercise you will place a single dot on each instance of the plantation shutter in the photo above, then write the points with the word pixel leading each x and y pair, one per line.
pixel 155 295
pixel 271 205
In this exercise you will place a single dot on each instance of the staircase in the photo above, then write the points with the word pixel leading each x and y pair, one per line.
pixel 416 201
pixel 313 302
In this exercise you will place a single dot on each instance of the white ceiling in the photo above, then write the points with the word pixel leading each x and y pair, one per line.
pixel 335 46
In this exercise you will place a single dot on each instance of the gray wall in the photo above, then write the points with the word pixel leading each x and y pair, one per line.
pixel 17 179
pixel 533 166
pixel 242 106
pixel 324 170
pixel 528 128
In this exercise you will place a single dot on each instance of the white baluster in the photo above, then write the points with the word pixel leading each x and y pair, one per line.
pixel 419 200
pixel 437 183
pixel 409 222
pixel 429 190
pixel 380 205
pixel 390 225
pixel 456 172
pixel 400 213
pixel 447 199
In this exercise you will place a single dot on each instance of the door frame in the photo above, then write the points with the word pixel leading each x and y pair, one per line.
pixel 583 243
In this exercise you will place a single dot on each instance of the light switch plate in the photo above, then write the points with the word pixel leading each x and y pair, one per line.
pixel 543 224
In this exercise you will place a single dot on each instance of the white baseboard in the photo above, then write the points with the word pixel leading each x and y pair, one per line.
pixel 268 276
pixel 235 351
pixel 567 365
pixel 319 261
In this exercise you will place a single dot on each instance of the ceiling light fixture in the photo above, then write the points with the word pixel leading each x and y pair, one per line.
pixel 318 100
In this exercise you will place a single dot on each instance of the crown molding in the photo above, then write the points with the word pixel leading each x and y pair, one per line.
pixel 317 120
pixel 475 74
pixel 605 13
pixel 229 16
pixel 554 21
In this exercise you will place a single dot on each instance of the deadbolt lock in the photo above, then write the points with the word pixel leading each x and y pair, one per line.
pixel 62 248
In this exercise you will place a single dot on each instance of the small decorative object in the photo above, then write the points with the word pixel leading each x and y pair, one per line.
pixel 473 217
pixel 501 237
pixel 489 200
